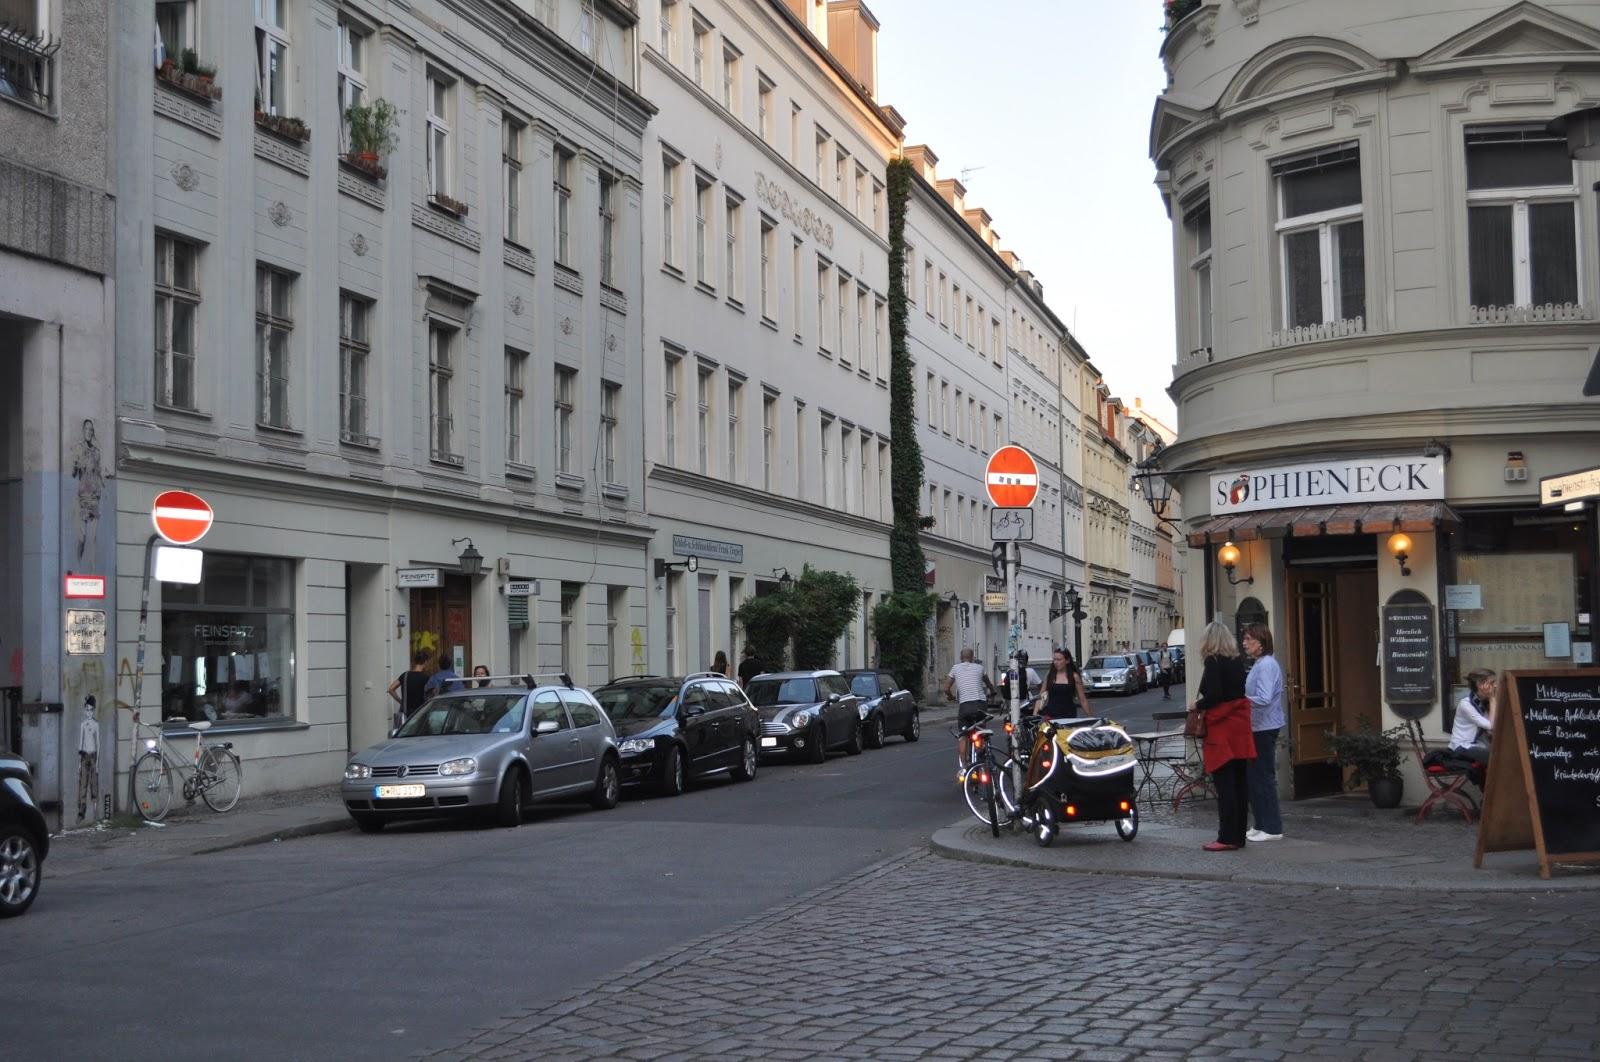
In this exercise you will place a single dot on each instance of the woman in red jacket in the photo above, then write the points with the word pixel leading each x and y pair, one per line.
pixel 1228 746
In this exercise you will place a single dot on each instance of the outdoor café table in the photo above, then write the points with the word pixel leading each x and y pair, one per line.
pixel 1148 747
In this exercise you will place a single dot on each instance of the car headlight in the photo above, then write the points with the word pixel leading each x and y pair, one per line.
pixel 456 768
pixel 864 710
pixel 800 719
pixel 635 745
pixel 354 772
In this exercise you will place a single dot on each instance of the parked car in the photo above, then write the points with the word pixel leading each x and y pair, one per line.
pixel 24 839
pixel 670 730
pixel 1179 668
pixel 487 752
pixel 806 713
pixel 1152 667
pixel 1118 673
pixel 886 707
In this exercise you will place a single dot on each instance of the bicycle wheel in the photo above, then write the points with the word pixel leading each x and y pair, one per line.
pixel 994 813
pixel 150 787
pixel 223 779
pixel 972 786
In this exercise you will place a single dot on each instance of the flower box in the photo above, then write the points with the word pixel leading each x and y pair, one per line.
pixel 366 162
pixel 202 87
pixel 448 205
pixel 288 128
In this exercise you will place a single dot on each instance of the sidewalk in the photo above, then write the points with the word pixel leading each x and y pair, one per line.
pixel 1338 842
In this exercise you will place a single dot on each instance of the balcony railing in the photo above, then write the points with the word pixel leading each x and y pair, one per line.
pixel 25 62
pixel 1192 360
pixel 1547 313
pixel 1288 337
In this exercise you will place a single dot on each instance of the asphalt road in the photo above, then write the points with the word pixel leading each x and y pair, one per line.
pixel 385 946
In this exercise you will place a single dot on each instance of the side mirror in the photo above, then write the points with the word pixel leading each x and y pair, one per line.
pixel 546 726
pixel 834 698
pixel 393 731
pixel 693 709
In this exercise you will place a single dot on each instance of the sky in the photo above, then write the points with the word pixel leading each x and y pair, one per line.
pixel 1052 99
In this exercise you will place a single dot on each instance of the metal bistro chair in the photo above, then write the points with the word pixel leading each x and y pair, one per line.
pixel 1163 747
pixel 1190 779
pixel 1445 784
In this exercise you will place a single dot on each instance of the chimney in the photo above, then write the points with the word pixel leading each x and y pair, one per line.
pixel 924 161
pixel 1012 261
pixel 980 220
pixel 853 40
pixel 954 193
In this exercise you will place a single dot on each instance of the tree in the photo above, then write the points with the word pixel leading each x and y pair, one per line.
pixel 824 604
pixel 768 621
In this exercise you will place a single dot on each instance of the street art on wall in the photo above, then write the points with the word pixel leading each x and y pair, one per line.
pixel 91 487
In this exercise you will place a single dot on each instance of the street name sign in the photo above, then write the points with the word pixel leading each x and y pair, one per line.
pixel 180 517
pixel 1012 478
pixel 1011 525
pixel 1570 487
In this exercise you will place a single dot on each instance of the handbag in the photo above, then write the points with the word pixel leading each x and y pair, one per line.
pixel 1194 724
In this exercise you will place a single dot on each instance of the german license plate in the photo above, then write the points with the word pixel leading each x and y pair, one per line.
pixel 769 743
pixel 399 792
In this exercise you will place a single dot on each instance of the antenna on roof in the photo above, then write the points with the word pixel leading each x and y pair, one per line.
pixel 970 169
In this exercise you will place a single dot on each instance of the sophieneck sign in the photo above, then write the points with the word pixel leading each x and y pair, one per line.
pixel 1344 481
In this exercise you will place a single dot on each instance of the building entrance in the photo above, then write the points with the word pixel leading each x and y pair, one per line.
pixel 1332 678
pixel 441 621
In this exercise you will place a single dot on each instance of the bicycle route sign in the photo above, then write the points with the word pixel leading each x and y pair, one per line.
pixel 1011 525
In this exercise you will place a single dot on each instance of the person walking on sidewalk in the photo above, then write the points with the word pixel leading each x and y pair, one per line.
pixel 1264 687
pixel 749 667
pixel 409 689
pixel 1063 688
pixel 1227 748
pixel 1165 664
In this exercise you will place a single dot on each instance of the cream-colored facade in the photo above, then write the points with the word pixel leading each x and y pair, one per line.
pixel 1108 542
pixel 1382 261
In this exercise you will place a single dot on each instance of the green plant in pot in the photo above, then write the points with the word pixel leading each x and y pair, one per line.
pixel 373 130
pixel 1373 758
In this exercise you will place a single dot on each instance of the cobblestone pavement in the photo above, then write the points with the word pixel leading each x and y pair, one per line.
pixel 916 958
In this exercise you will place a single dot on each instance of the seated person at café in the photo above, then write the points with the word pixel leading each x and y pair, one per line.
pixel 1469 737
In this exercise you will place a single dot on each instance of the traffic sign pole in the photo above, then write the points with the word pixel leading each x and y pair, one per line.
pixel 1018 678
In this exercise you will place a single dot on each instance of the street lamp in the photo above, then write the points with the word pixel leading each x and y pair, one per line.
pixel 471 561
pixel 1155 486
pixel 1228 557
pixel 785 581
pixel 1075 610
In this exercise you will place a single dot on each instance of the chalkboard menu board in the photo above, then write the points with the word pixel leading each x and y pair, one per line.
pixel 1410 655
pixel 1543 788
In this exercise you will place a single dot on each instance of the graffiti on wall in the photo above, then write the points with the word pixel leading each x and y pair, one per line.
pixel 86 469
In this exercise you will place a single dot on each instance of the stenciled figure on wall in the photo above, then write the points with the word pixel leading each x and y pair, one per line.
pixel 88 759
pixel 91 485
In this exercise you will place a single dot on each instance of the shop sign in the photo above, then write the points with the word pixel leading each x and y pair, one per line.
pixel 707 549
pixel 84 586
pixel 522 588
pixel 1410 653
pixel 996 602
pixel 86 632
pixel 415 578
pixel 1464 596
pixel 1344 481
pixel 1571 487
pixel 994 584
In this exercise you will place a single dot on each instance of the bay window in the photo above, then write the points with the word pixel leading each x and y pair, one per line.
pixel 1522 201
pixel 1197 222
pixel 1321 237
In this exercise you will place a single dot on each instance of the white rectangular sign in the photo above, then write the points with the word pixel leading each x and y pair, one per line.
pixel 996 602
pixel 1464 596
pixel 414 578
pixel 522 588
pixel 1574 486
pixel 79 586
pixel 1011 525
pixel 1337 481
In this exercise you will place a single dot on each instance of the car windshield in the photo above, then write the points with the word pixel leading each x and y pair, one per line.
pixel 1103 662
pixel 635 702
pixel 767 692
pixel 864 685
pixel 493 713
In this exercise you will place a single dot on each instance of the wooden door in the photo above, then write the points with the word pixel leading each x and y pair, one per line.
pixel 441 620
pixel 1312 680
pixel 1357 678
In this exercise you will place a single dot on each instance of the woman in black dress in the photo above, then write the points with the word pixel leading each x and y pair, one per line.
pixel 1063 692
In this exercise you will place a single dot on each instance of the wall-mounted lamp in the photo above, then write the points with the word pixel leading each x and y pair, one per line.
pixel 471 561
pixel 1228 557
pixel 689 564
pixel 785 580
pixel 1400 549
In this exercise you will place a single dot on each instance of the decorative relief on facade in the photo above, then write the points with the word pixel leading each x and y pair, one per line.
pixel 716 156
pixel 1288 337
pixel 289 157
pixel 1205 23
pixel 566 326
pixel 611 342
pixel 519 259
pixel 1249 11
pixel 803 218
pixel 567 280
pixel 515 305
pixel 612 299
pixel 358 244
pixel 191 114
pixel 437 223
pixel 356 188
pixel 280 214
pixel 184 177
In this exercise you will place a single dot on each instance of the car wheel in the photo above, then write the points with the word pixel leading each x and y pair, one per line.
pixel 508 812
pixel 607 787
pixel 913 729
pixel 367 823
pixel 19 870
pixel 853 746
pixel 745 769
pixel 819 748
pixel 674 773
pixel 875 732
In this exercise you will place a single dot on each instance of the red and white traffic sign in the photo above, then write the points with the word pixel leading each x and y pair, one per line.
pixel 180 517
pixel 84 586
pixel 1012 478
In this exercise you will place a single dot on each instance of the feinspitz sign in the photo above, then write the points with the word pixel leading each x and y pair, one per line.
pixel 1343 481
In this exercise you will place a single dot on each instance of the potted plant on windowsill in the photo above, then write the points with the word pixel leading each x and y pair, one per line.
pixel 448 204
pixel 1177 10
pixel 191 76
pixel 1373 758
pixel 372 135
pixel 278 125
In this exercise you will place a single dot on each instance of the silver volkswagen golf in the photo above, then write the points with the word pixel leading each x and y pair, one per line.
pixel 487 751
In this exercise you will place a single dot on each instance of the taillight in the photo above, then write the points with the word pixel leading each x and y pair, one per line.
pixel 1072 810
pixel 977 741
pixel 1010 729
pixel 1123 805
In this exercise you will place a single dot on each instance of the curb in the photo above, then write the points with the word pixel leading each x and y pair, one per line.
pixel 286 833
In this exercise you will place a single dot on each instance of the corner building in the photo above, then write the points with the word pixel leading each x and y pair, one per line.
pixel 1387 294
pixel 767 336
pixel 366 369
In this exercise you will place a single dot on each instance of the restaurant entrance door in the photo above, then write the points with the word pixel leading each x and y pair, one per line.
pixel 441 621
pixel 1331 677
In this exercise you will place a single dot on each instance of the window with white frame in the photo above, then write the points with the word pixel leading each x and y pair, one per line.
pixel 516 406
pixel 955 303
pixel 846 495
pixel 841 166
pixel 702 229
pixel 798 296
pixel 820 173
pixel 861 328
pixel 972 421
pixel 440 170
pixel 175 24
pixel 907 262
pixel 547 12
pixel 826 436
pixel 565 406
pixel 966 326
pixel 769 438
pixel 861 191
pixel 671 173
pixel 177 293
pixel 352 71
pixel 274 331
pixel 511 137
pixel 944 301
pixel 702 421
pixel 764 103
pixel 927 287
pixel 1197 223
pixel 995 351
pixel 961 428
pixel 441 393
pixel 1320 237
pixel 702 42
pixel 272 56
pixel 799 448
pixel 735 397
pixel 732 232
pixel 668 39
pixel 944 406
pixel 824 288
pixel 1522 232
pixel 932 392
pixel 730 78
pixel 877 206
pixel 880 337
pixel 669 414
pixel 610 395
pixel 355 356
pixel 795 130
pixel 561 190
pixel 769 266
pixel 885 503
pixel 588 31
pixel 608 229
pixel 863 455
pixel 841 331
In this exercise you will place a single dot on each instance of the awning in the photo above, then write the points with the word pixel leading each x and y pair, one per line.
pixel 1377 518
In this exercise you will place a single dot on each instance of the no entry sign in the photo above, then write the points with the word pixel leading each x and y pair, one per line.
pixel 180 517
pixel 1012 478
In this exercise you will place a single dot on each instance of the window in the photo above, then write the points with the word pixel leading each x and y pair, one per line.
pixel 608 229
pixel 1522 247
pixel 944 302
pixel 516 392
pixel 880 338
pixel 1198 223
pixel 877 206
pixel 799 449
pixel 1321 238
pixel 944 406
pixel 735 393
pixel 822 157
pixel 562 189
pixel 546 11
pixel 994 339
pixel 908 261
pixel 670 410
pixel 972 420
pixel 229 642
pixel 730 77
pixel 933 414
pixel 670 168
pixel 588 38
pixel 702 230
pixel 861 191
pixel 827 462
pixel 177 309
pixel 798 289
pixel 702 41
pixel 769 249
pixel 703 420
pixel 571 595
pixel 885 503
pixel 511 132
pixel 438 136
pixel 566 388
pixel 961 429
pixel 441 393
pixel 841 332
pixel 355 352
pixel 616 609
pixel 841 164
pixel 608 431
pixel 824 284
pixel 272 56
pixel 174 24
pixel 769 438
pixel 734 263
pixel 352 70
pixel 764 116
pixel 846 495
pixel 668 41
pixel 861 328
pixel 927 287
pixel 274 328
pixel 670 634
pixel 955 302
pixel 966 322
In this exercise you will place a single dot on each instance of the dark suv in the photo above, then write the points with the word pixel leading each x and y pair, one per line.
pixel 670 730
pixel 24 840
pixel 886 707
pixel 806 713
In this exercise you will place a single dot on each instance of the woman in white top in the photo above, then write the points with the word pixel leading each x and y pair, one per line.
pixel 1475 713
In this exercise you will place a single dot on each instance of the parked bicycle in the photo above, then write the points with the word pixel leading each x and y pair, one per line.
pixel 981 776
pixel 214 774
